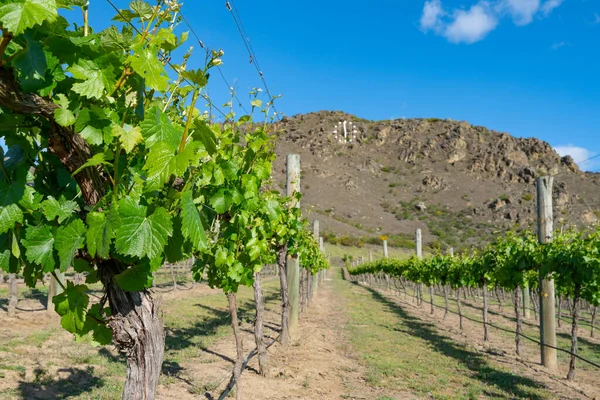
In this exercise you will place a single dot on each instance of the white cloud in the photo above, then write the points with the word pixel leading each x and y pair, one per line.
pixel 581 155
pixel 522 11
pixel 550 5
pixel 558 45
pixel 432 13
pixel 470 25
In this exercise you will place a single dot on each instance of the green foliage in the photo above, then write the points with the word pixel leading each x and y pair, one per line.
pixel 124 172
pixel 571 258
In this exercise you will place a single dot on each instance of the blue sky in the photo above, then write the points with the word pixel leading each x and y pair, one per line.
pixel 527 67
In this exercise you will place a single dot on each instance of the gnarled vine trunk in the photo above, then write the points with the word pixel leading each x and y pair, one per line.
pixel 574 325
pixel 594 312
pixel 445 300
pixel 239 360
pixel 261 348
pixel 431 299
pixel 486 336
pixel 460 317
pixel 560 300
pixel 137 332
pixel 519 320
pixel 285 301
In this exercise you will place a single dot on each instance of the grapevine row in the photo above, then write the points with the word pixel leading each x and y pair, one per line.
pixel 513 263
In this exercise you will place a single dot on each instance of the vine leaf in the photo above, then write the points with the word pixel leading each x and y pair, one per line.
pixel 18 16
pixel 135 278
pixel 101 231
pixel 129 135
pixel 71 306
pixel 97 159
pixel 32 66
pixel 95 79
pixel 160 164
pixel 39 243
pixel 139 235
pixel 192 228
pixel 157 127
pixel 9 216
pixel 69 239
pixel 63 116
pixel 62 209
pixel 221 201
pixel 145 62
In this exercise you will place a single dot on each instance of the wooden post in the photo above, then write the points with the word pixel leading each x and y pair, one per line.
pixel 547 298
pixel 13 295
pixel 370 255
pixel 293 263
pixel 451 251
pixel 54 288
pixel 385 249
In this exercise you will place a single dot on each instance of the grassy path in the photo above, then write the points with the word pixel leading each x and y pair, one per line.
pixel 403 352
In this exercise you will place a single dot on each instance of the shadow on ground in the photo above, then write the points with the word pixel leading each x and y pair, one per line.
pixel 517 386
pixel 79 381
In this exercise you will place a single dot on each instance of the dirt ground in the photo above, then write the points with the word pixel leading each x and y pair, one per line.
pixel 318 365
pixel 39 360
pixel 500 348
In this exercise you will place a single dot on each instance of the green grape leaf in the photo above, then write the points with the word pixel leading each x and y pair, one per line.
pixel 62 115
pixel 17 16
pixel 139 235
pixel 135 278
pixel 95 79
pixel 101 334
pixel 192 228
pixel 9 216
pixel 69 239
pixel 101 231
pixel 205 134
pixel 157 127
pixel 71 305
pixel 160 164
pixel 221 201
pixel 61 209
pixel 39 243
pixel 32 66
pixel 97 159
pixel 145 62
pixel 197 77
pixel 90 123
pixel 129 135
pixel 141 9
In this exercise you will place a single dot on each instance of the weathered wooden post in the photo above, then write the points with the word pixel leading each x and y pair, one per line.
pixel 54 289
pixel 293 262
pixel 385 249
pixel 547 299
pixel 13 295
pixel 370 255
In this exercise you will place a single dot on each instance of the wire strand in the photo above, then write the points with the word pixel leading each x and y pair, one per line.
pixel 229 87
pixel 237 19
pixel 204 96
pixel 516 333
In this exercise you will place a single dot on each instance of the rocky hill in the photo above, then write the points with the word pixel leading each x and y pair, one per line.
pixel 458 182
